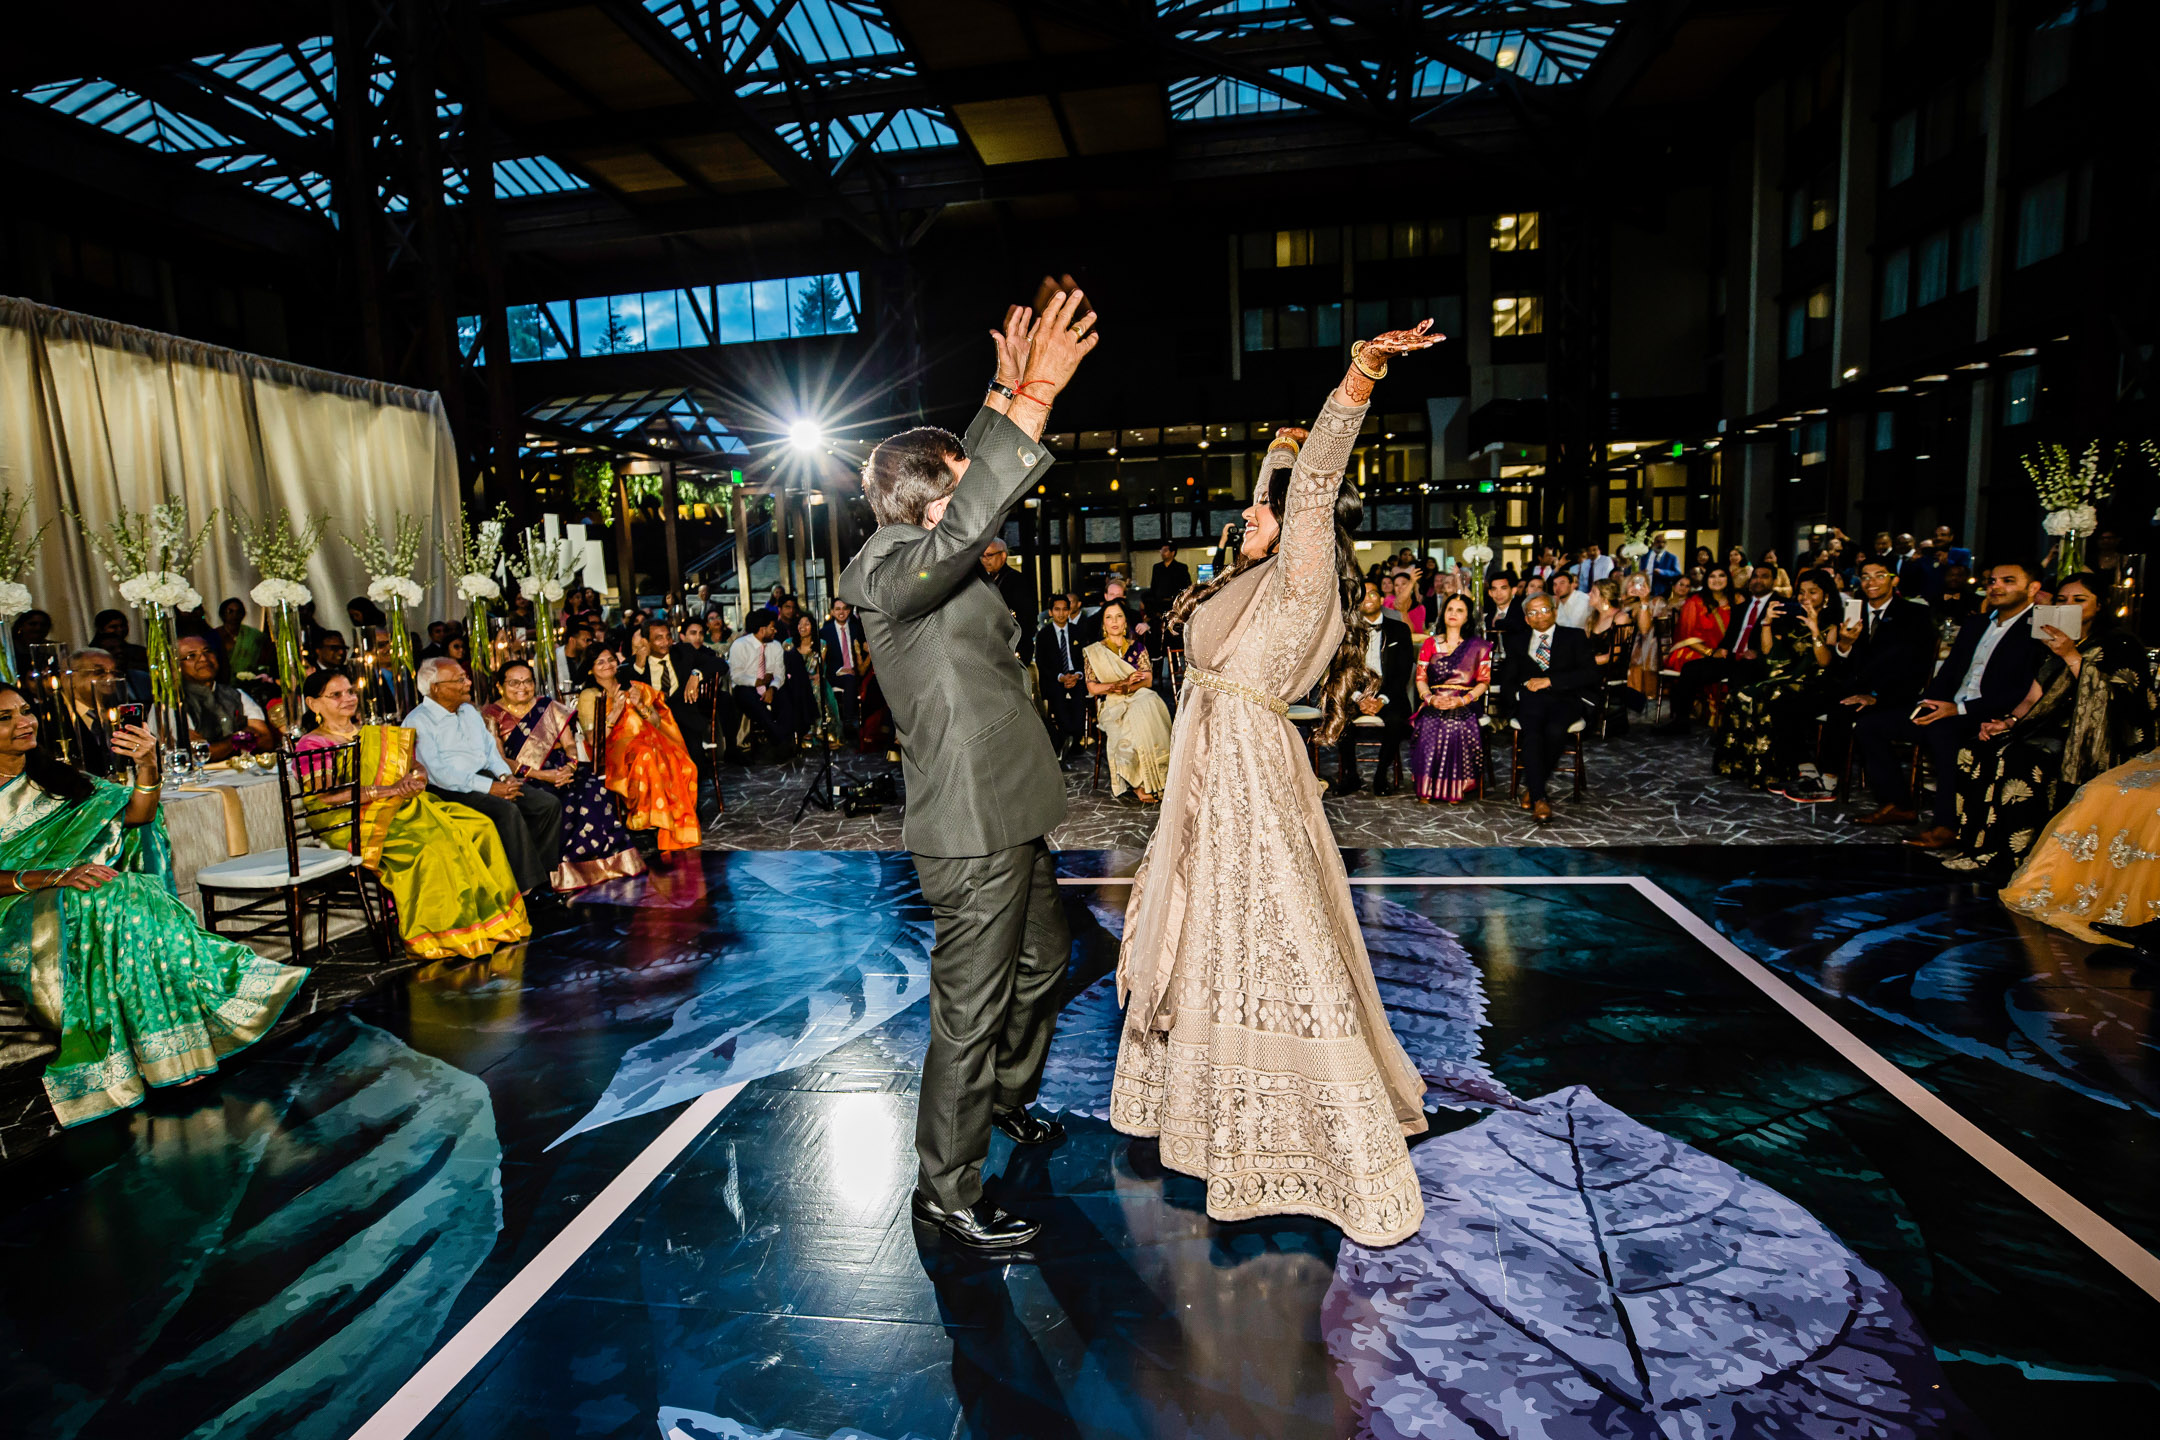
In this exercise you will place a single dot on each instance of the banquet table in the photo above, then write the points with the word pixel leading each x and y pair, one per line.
pixel 218 815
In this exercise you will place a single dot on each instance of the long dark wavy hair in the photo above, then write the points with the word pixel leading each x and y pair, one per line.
pixel 1346 672
pixel 55 777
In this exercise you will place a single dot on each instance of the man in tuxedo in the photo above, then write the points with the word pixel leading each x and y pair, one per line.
pixel 1390 656
pixel 683 682
pixel 1887 658
pixel 1057 671
pixel 1172 578
pixel 1548 679
pixel 1738 657
pixel 1503 618
pixel 1989 670
pixel 846 662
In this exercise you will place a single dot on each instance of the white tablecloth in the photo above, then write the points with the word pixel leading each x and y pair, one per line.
pixel 195 818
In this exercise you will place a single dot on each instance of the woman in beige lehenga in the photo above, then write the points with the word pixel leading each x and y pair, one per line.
pixel 1134 721
pixel 1254 1040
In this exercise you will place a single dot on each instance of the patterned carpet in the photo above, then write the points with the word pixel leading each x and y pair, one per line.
pixel 1642 789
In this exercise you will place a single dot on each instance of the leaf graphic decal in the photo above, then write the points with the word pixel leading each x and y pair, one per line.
pixel 1434 995
pixel 1581 1275
pixel 762 1011
pixel 271 1265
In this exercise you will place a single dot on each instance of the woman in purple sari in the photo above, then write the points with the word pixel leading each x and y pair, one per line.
pixel 542 741
pixel 1454 668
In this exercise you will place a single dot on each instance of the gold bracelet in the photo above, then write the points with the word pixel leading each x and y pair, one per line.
pixel 1357 363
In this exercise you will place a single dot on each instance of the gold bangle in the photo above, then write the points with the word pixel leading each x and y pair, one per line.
pixel 1357 363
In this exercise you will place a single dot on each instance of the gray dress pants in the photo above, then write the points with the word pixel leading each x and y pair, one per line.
pixel 1001 949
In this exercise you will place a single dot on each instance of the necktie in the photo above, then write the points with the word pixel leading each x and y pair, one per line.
pixel 1064 648
pixel 847 650
pixel 763 674
pixel 1538 652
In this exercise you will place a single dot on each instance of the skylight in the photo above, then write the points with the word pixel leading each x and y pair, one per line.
pixel 533 175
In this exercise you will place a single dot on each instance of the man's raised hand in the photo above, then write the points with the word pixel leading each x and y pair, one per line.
pixel 1062 337
pixel 1012 344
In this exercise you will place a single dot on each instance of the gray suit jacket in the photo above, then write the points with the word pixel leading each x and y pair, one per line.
pixel 981 776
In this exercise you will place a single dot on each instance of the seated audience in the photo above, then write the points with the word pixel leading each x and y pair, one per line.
pixel 32 627
pixel 2091 706
pixel 218 713
pixel 1882 660
pixel 1781 584
pixel 443 862
pixel 1404 601
pixel 247 650
pixel 1571 605
pixel 108 632
pixel 2077 879
pixel 845 645
pixel 1988 673
pixel 757 669
pixel 1737 658
pixel 328 653
pixel 1134 721
pixel 1799 650
pixel 1015 589
pixel 683 683
pixel 797 711
pixel 465 765
pixel 92 688
pixel 137 991
pixel 1059 674
pixel 1390 659
pixel 1645 610
pixel 645 759
pixel 546 749
pixel 1502 620
pixel 1547 681
pixel 438 641
pixel 1454 670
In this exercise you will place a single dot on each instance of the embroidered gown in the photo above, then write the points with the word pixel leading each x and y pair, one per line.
pixel 1254 1040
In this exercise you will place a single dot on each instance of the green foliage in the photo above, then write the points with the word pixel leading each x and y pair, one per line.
pixel 592 487
pixel 822 309
pixel 15 551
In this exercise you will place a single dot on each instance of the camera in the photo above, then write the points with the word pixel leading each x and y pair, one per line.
pixel 1236 542
pixel 868 797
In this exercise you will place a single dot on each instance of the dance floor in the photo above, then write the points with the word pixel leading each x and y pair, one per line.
pixel 1785 1141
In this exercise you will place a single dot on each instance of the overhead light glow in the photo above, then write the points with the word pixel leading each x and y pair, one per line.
pixel 1852 372
pixel 805 435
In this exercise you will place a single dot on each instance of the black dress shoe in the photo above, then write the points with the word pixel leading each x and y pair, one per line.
pixel 984 1225
pixel 2143 940
pixel 1024 1129
pixel 1348 786
pixel 1383 788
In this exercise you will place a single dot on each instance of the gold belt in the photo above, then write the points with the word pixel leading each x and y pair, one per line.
pixel 1228 686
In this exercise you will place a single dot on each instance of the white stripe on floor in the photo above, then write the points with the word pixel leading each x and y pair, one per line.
pixel 2137 1265
pixel 417 1398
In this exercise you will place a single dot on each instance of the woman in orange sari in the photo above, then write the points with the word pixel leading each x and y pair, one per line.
pixel 647 762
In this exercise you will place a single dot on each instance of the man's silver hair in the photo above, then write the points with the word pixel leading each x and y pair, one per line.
pixel 89 650
pixel 431 670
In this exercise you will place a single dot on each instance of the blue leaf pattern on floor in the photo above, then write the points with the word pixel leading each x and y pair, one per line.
pixel 678 1424
pixel 1580 1276
pixel 1966 974
pixel 286 1252
pixel 760 1013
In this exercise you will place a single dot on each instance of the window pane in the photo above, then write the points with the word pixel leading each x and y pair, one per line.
pixel 1904 146
pixel 1256 251
pixel 2040 220
pixel 557 345
pixel 1371 242
pixel 1518 315
pixel 626 322
pixel 1818 303
pixel 1296 328
pixel 1327 245
pixel 1409 240
pixel 2047 55
pixel 1504 317
pixel 1526 230
pixel 592 326
pixel 1505 234
pixel 1327 324
pixel 529 335
pixel 1443 237
pixel 2020 395
pixel 1293 247
pixel 842 321
pixel 662 327
pixel 1814 442
pixel 731 305
pixel 1971 254
pixel 1885 431
pixel 1256 330
pixel 816 301
pixel 1447 314
pixel 1796 217
pixel 1795 330
pixel 1371 318
pixel 1933 280
pixel 769 308
pixel 694 307
pixel 1896 284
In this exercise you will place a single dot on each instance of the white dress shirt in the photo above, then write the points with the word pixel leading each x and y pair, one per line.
pixel 1592 570
pixel 1989 639
pixel 1751 618
pixel 1575 611
pixel 459 749
pixel 743 657
pixel 1065 650
pixel 1372 662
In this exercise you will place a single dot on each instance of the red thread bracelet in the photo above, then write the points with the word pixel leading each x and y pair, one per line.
pixel 1025 396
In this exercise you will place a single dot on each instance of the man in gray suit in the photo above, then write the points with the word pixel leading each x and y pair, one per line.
pixel 983 786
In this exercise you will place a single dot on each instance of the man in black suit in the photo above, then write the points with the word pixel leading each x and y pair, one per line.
pixel 1548 679
pixel 1738 657
pixel 1390 656
pixel 1887 658
pixel 845 649
pixel 1058 672
pixel 1012 587
pixel 1172 578
pixel 1990 668
pixel 1503 616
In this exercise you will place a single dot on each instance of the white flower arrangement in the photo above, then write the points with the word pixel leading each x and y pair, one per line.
pixel 272 593
pixel 14 599
pixel 147 555
pixel 2069 486
pixel 385 588
pixel 1634 550
pixel 2080 520
pixel 550 565
pixel 477 587
pixel 159 587
pixel 474 558
pixel 16 553
pixel 1477 554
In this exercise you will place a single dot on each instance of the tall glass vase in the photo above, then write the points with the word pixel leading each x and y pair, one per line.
pixel 291 661
pixel 161 646
pixel 401 651
pixel 2068 563
pixel 543 656
pixel 7 652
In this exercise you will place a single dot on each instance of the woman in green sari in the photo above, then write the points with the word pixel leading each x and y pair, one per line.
pixel 442 863
pixel 94 941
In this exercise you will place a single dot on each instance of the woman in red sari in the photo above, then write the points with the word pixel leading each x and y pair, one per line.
pixel 647 762
pixel 1701 627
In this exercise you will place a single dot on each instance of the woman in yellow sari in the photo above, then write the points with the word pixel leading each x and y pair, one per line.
pixel 647 762
pixel 1134 721
pixel 443 864
pixel 2096 871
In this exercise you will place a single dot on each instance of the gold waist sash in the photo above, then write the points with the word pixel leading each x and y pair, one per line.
pixel 1227 686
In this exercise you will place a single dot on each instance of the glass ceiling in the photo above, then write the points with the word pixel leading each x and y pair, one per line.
pixel 677 418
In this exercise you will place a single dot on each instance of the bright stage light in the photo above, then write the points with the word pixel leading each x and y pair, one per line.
pixel 805 436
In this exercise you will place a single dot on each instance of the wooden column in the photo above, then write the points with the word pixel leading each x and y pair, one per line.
pixel 670 508
pixel 786 573
pixel 625 556
pixel 832 546
pixel 739 518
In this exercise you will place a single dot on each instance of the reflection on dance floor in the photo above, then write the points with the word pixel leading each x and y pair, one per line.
pixel 1705 1222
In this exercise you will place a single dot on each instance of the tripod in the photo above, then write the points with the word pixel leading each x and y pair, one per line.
pixel 822 789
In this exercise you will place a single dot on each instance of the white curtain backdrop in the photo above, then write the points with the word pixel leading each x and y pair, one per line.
pixel 96 417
